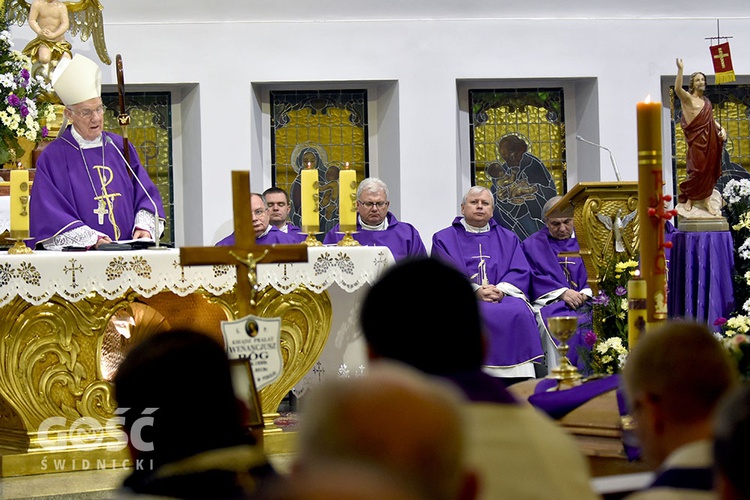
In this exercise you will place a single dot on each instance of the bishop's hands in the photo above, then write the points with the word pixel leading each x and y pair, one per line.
pixel 573 299
pixel 490 293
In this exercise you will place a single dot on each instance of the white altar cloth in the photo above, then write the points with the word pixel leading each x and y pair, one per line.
pixel 344 272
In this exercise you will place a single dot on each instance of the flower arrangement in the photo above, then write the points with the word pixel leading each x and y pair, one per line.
pixel 606 345
pixel 734 334
pixel 21 109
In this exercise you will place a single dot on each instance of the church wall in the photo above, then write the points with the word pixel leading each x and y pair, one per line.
pixel 416 68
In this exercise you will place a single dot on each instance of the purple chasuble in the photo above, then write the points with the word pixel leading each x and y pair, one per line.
pixel 64 189
pixel 512 330
pixel 295 232
pixel 548 274
pixel 401 238
pixel 275 235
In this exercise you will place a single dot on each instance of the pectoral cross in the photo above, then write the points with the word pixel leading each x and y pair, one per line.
pixel 245 254
pixel 101 210
pixel 481 267
pixel 565 262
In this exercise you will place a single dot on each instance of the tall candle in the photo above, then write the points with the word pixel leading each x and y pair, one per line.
pixel 636 309
pixel 19 203
pixel 310 210
pixel 650 186
pixel 347 196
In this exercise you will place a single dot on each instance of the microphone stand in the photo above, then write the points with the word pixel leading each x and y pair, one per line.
pixel 611 156
pixel 156 246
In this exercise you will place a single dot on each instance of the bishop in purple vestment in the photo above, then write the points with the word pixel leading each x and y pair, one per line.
pixel 84 192
pixel 558 282
pixel 492 257
pixel 376 226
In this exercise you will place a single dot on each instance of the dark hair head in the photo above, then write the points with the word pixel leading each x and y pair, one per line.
pixel 276 190
pixel 424 313
pixel 186 376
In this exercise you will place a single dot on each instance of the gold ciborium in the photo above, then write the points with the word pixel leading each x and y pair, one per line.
pixel 562 328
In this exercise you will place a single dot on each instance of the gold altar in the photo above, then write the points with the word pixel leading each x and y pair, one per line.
pixel 69 318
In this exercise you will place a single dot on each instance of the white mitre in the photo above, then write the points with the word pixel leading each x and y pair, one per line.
pixel 76 80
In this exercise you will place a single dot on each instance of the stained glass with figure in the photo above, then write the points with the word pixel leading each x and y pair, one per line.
pixel 150 132
pixel 322 129
pixel 517 141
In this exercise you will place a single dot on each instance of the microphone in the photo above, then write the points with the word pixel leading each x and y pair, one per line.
pixel 611 156
pixel 109 140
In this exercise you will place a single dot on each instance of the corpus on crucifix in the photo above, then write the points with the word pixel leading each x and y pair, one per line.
pixel 244 254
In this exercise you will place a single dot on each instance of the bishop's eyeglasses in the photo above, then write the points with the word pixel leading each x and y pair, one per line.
pixel 87 113
pixel 370 204
pixel 259 212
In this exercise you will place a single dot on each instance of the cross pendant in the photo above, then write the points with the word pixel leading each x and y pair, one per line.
pixel 101 211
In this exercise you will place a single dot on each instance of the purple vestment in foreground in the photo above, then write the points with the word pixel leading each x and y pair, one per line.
pixel 548 278
pixel 511 326
pixel 401 238
pixel 274 235
pixel 64 189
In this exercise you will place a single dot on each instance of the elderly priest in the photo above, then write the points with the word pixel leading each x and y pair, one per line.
pixel 85 192
pixel 559 282
pixel 492 257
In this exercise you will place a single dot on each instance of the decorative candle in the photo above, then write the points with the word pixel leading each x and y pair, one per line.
pixel 19 203
pixel 347 197
pixel 310 210
pixel 649 196
pixel 637 309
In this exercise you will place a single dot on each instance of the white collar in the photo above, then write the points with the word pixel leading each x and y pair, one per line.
pixel 472 229
pixel 83 143
pixel 380 227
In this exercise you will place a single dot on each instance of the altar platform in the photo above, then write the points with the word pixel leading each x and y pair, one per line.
pixel 68 318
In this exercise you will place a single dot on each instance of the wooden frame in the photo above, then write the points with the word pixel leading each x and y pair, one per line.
pixel 243 382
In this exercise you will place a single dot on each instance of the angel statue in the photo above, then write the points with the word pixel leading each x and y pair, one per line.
pixel 50 20
pixel 616 224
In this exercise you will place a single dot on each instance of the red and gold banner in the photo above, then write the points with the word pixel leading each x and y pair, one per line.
pixel 722 60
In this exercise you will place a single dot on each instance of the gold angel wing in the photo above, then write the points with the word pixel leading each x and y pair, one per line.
pixel 86 17
pixel 17 11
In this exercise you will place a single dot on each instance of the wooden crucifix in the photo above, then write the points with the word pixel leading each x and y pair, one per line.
pixel 245 254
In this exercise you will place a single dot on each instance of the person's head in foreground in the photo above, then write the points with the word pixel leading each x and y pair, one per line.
pixel 675 377
pixel 395 419
pixel 731 445
pixel 445 314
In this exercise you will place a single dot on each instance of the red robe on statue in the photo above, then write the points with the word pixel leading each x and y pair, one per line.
pixel 703 155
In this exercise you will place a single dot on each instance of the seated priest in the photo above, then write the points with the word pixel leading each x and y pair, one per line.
pixel 492 258
pixel 85 191
pixel 559 283
pixel 279 208
pixel 377 226
pixel 265 233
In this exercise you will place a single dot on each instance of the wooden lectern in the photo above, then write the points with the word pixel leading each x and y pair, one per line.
pixel 605 215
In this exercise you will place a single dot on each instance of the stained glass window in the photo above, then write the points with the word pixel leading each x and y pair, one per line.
pixel 322 129
pixel 517 139
pixel 150 131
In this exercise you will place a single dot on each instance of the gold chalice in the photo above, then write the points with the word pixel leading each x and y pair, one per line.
pixel 562 328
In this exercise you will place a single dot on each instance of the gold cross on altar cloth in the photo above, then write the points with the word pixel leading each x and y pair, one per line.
pixel 245 254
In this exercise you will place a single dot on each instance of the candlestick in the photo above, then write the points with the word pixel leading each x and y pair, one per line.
pixel 310 197
pixel 19 204
pixel 651 229
pixel 347 197
pixel 637 309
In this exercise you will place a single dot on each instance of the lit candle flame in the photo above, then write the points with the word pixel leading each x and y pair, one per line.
pixel 648 99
